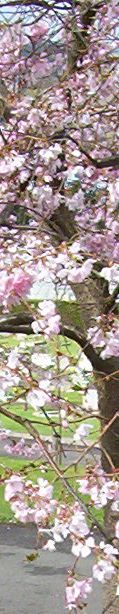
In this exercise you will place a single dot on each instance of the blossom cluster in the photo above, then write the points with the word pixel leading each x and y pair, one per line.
pixel 100 488
pixel 35 502
pixel 49 320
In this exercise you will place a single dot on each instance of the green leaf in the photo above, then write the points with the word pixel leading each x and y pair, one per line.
pixel 31 557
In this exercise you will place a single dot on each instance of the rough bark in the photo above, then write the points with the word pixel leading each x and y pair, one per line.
pixel 108 392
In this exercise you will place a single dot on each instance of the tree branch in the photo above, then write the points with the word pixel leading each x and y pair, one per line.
pixel 21 323
pixel 75 335
pixel 110 303
pixel 107 162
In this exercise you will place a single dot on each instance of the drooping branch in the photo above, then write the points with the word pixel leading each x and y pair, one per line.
pixel 74 334
pixel 109 162
pixel 111 301
pixel 106 162
pixel 21 323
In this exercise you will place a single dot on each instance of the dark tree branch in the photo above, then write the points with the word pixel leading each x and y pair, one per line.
pixel 73 333
pixel 21 323
pixel 28 3
pixel 110 303
pixel 107 162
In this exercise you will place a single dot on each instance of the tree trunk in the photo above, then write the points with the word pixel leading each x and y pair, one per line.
pixel 108 392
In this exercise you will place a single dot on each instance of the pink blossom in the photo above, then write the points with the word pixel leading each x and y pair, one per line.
pixel 40 516
pixel 77 593
pixel 15 286
pixel 65 423
pixel 78 274
pixel 35 325
pixel 83 486
pixel 100 489
pixel 37 31
pixel 96 336
pixel 103 570
pixel 83 549
pixel 75 248
pixel 70 597
pixel 37 398
pixel 13 359
pixel 42 360
pixel 50 320
pixel 21 283
pixel 53 327
pixel 51 147
pixel 50 545
pixel 14 486
pixel 82 432
pixel 47 308
pixel 60 530
pixel 45 489
pixel 78 524
pixel 4 434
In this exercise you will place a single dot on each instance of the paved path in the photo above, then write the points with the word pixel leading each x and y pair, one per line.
pixel 71 453
pixel 70 457
pixel 37 587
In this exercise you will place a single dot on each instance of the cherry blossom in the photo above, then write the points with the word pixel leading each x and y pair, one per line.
pixel 14 287
pixel 103 570
pixel 79 274
pixel 83 549
pixel 13 487
pixel 77 592
pixel 50 320
pixel 37 31
pixel 82 432
pixel 30 502
pixel 100 488
pixel 49 545
pixel 37 398
pixel 109 341
pixel 42 360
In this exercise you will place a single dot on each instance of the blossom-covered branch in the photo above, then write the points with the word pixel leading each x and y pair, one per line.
pixel 111 161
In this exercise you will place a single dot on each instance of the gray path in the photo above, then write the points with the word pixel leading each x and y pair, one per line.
pixel 71 454
pixel 37 587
